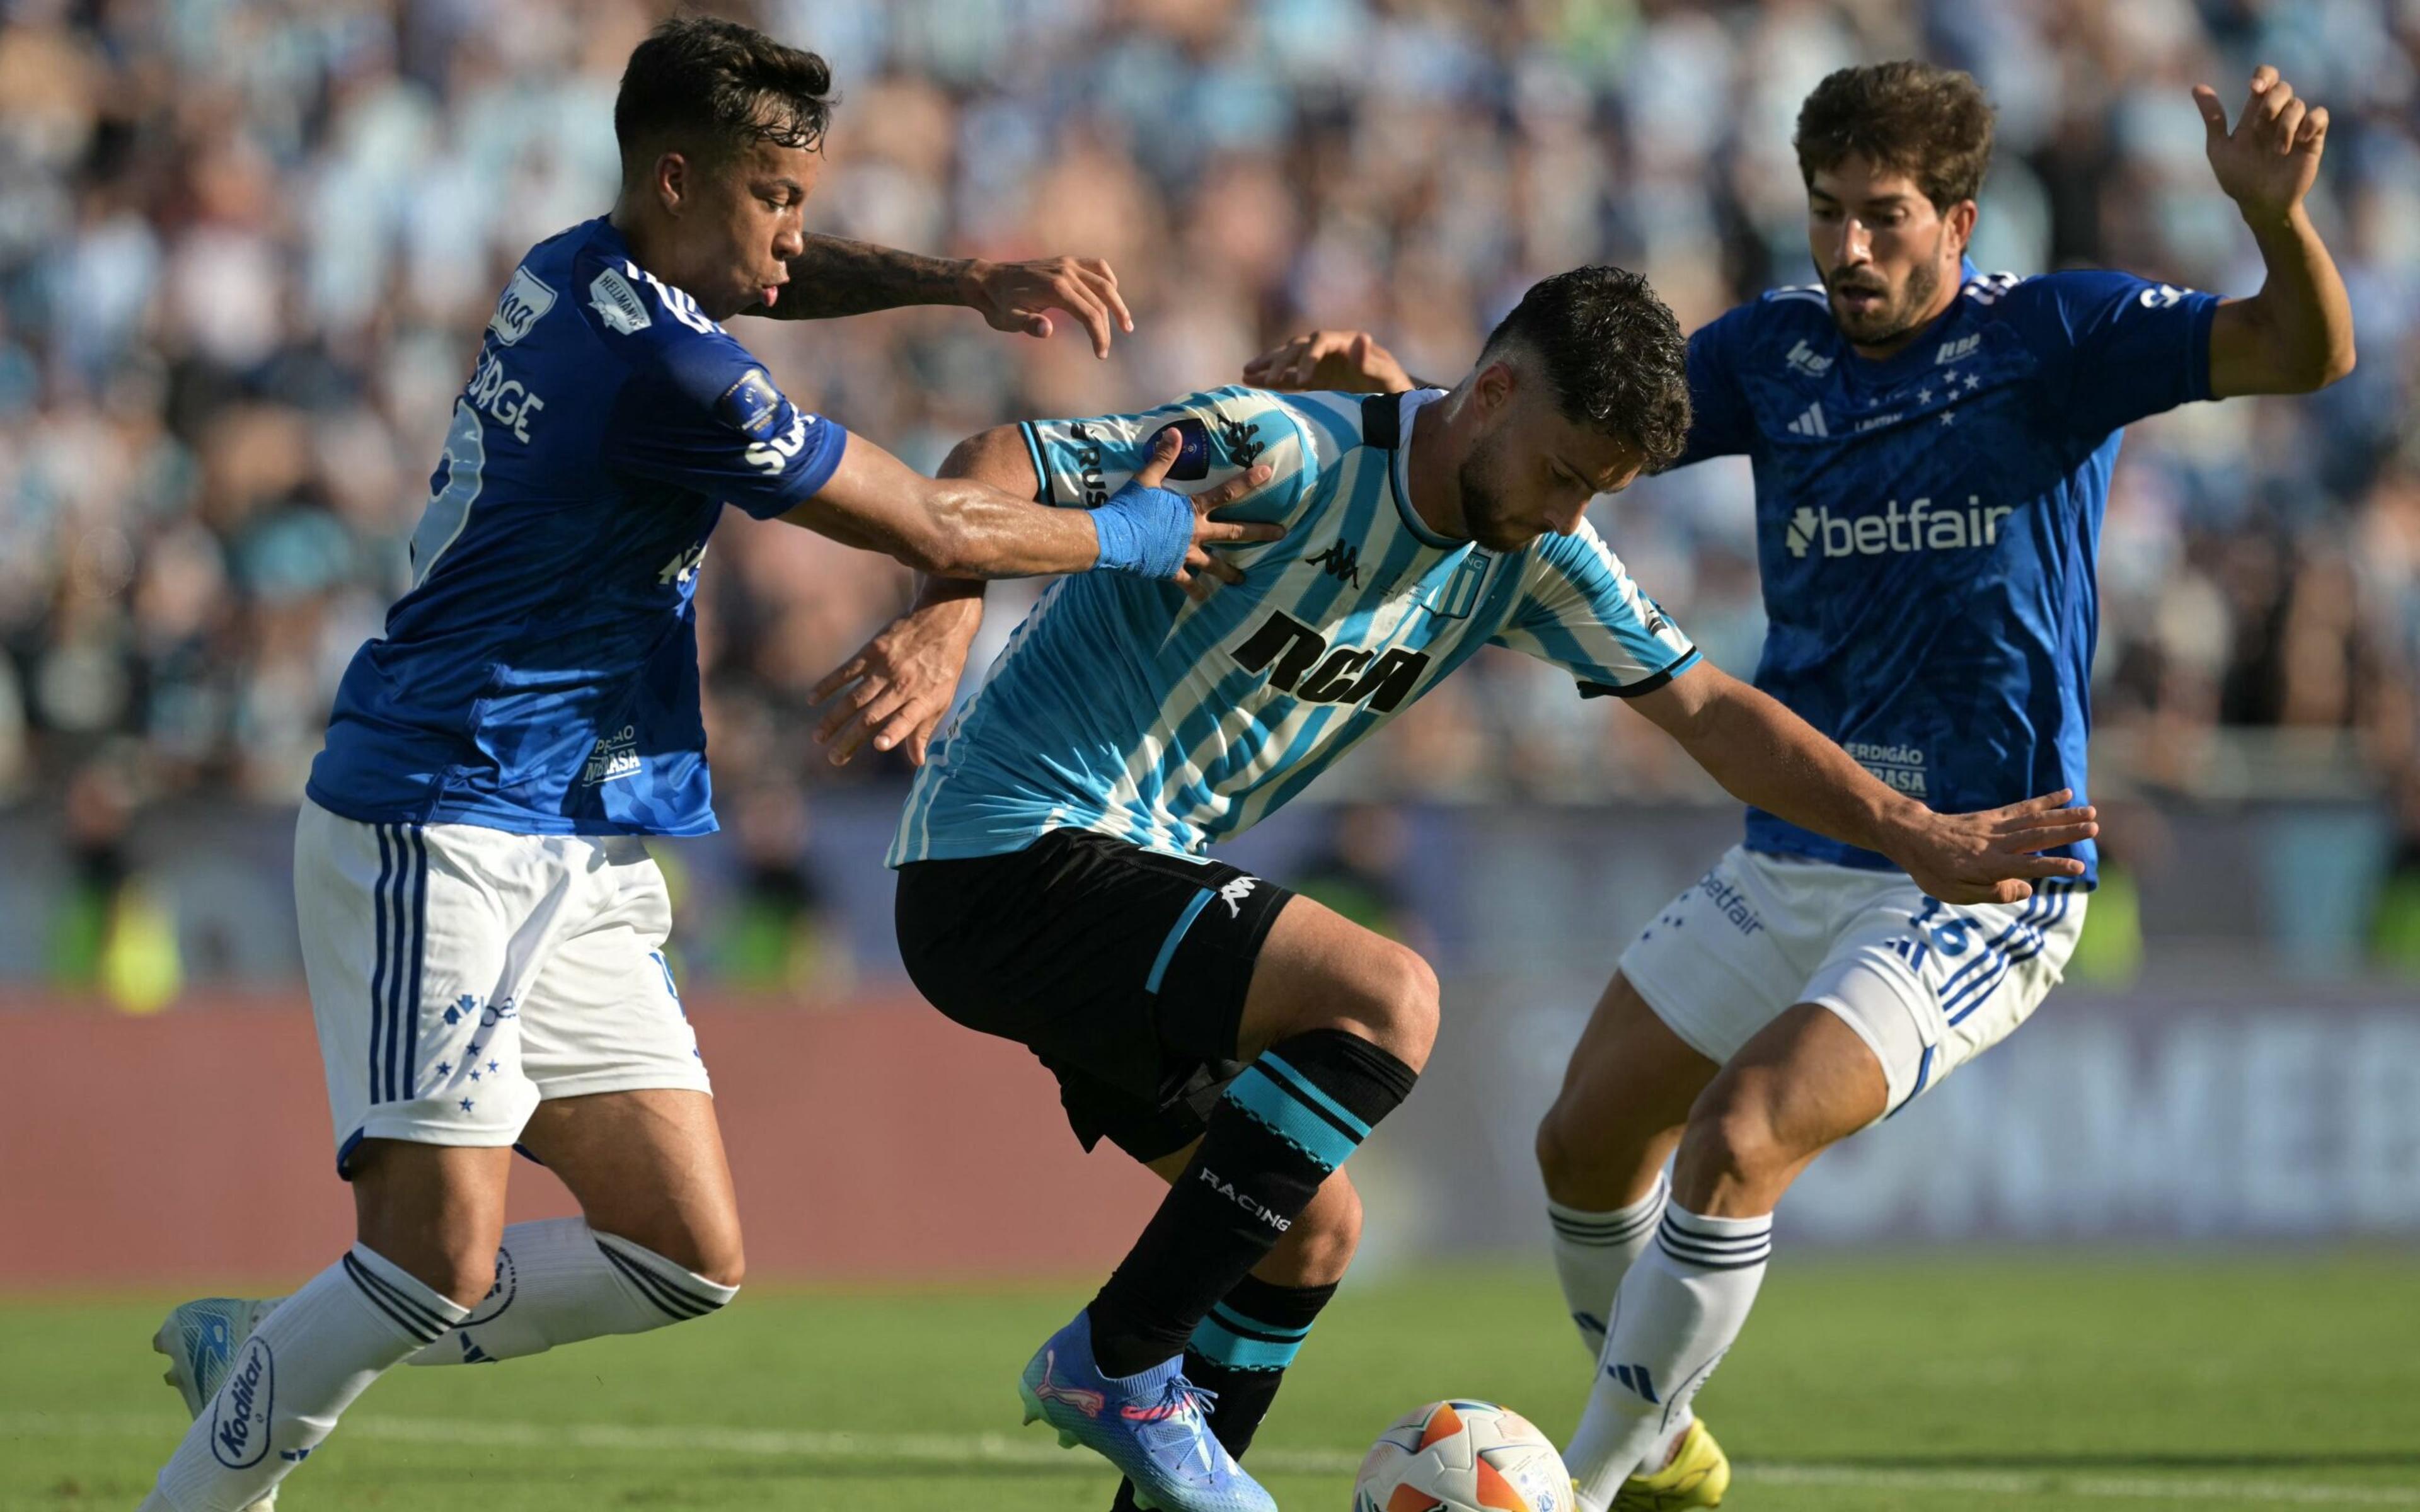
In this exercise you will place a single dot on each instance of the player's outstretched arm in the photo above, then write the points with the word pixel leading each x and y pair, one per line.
pixel 2296 334
pixel 962 528
pixel 894 689
pixel 835 276
pixel 1351 362
pixel 1765 755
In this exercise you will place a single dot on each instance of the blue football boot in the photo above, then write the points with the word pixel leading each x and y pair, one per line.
pixel 1154 1426
pixel 200 1339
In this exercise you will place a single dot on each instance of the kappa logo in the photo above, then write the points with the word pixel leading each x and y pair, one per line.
pixel 1235 892
pixel 1806 360
pixel 618 303
pixel 1952 352
pixel 524 299
pixel 1340 562
pixel 1300 662
pixel 1242 440
pixel 239 1413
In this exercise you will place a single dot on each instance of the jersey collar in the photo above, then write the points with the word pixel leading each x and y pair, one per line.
pixel 1399 477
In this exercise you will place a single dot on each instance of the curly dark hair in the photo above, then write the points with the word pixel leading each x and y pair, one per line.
pixel 1613 352
pixel 1929 123
pixel 713 86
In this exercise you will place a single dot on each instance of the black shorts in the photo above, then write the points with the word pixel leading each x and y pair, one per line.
pixel 1123 970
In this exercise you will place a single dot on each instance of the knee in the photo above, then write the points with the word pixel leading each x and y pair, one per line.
pixel 1558 1148
pixel 1394 998
pixel 716 1257
pixel 1730 1147
pixel 725 1265
pixel 463 1275
pixel 1320 1246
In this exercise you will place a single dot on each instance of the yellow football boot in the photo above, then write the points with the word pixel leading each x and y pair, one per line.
pixel 1699 1476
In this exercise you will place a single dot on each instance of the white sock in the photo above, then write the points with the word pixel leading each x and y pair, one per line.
pixel 1678 1311
pixel 1593 1252
pixel 558 1282
pixel 300 1369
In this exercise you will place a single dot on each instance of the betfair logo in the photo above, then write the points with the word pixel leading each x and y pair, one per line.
pixel 1919 527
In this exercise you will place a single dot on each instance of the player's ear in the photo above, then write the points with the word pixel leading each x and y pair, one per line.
pixel 1497 385
pixel 1961 223
pixel 672 181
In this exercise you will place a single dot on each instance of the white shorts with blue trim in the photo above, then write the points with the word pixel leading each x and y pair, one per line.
pixel 1927 985
pixel 460 976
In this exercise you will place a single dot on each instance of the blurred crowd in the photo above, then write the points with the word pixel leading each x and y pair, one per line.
pixel 247 247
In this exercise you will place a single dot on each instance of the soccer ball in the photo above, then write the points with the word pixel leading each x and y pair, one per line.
pixel 1462 1456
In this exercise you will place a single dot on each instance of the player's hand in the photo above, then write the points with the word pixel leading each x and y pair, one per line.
pixel 2266 164
pixel 1350 360
pixel 1203 570
pixel 1992 856
pixel 1019 297
pixel 897 686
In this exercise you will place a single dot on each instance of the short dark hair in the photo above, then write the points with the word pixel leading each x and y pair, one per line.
pixel 1613 352
pixel 1929 123
pixel 715 86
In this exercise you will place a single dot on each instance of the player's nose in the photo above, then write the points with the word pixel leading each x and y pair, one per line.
pixel 1857 242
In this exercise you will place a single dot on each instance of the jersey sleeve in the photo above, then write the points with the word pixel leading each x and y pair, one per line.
pixel 1081 462
pixel 697 411
pixel 1720 424
pixel 2129 347
pixel 1580 610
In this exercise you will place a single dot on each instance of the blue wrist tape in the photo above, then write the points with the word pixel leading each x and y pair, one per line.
pixel 1144 531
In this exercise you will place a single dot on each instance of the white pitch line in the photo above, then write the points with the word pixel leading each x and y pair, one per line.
pixel 1037 1450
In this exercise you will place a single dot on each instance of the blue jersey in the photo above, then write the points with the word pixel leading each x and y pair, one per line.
pixel 1122 707
pixel 1928 526
pixel 540 677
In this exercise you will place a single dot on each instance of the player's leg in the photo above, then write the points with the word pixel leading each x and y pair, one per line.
pixel 394 922
pixel 1713 966
pixel 627 1121
pixel 1602 1146
pixel 1909 991
pixel 1336 1027
pixel 1243 1349
pixel 1155 976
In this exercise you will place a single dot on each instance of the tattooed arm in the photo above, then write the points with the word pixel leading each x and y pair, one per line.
pixel 836 276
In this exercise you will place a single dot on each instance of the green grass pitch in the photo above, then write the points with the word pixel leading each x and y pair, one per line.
pixel 2009 1381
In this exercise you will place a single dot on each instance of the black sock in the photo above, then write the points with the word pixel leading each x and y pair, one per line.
pixel 1294 1116
pixel 1241 1352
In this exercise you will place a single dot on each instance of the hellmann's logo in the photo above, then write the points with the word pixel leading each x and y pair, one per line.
pixel 1922 526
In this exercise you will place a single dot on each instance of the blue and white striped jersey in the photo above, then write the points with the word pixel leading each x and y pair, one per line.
pixel 1123 707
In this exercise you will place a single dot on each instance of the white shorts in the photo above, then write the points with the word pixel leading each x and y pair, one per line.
pixel 1927 985
pixel 460 976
